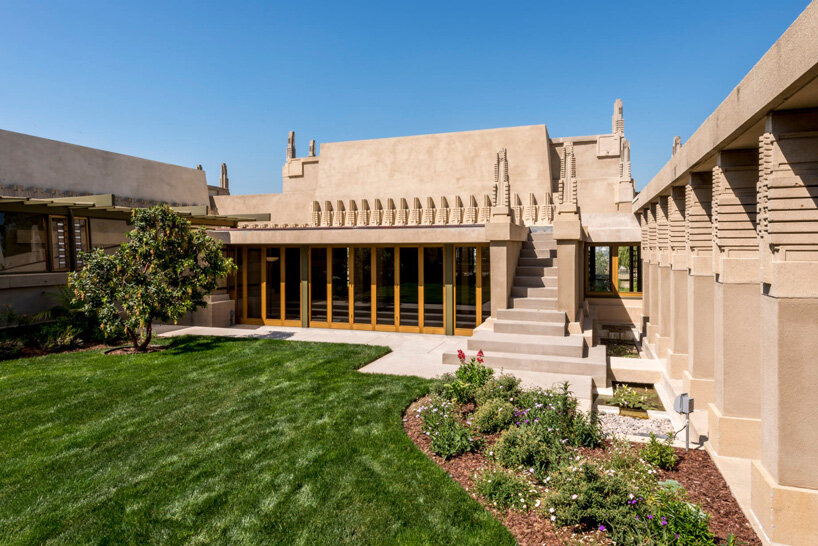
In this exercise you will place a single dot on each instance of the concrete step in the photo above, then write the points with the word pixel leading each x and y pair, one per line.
pixel 528 327
pixel 527 252
pixel 526 280
pixel 534 303
pixel 535 271
pixel 529 291
pixel 592 368
pixel 541 234
pixel 531 314
pixel 537 262
pixel 521 343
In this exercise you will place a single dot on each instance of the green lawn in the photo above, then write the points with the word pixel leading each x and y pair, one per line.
pixel 221 441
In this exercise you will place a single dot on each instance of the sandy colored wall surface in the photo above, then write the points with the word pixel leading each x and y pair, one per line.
pixel 38 162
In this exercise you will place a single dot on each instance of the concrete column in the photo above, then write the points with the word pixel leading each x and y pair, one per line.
pixel 698 378
pixel 505 240
pixel 735 416
pixel 645 253
pixel 677 356
pixel 784 483
pixel 653 279
pixel 662 341
pixel 568 235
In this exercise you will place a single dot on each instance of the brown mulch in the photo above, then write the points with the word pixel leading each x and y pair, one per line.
pixel 699 475
pixel 695 471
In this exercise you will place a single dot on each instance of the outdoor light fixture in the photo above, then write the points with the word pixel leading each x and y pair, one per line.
pixel 684 405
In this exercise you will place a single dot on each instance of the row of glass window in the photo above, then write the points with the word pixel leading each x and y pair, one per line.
pixel 388 288
pixel 38 243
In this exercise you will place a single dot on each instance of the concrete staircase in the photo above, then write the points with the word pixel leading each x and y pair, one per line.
pixel 531 335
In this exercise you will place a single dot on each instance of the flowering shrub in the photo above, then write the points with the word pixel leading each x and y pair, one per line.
pixel 557 412
pixel 659 454
pixel 493 416
pixel 532 448
pixel 468 378
pixel 503 387
pixel 506 490
pixel 677 521
pixel 449 437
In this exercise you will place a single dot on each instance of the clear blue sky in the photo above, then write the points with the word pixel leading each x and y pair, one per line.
pixel 207 82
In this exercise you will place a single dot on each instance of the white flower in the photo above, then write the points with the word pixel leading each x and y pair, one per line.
pixel 553 518
pixel 551 510
pixel 537 504
pixel 574 496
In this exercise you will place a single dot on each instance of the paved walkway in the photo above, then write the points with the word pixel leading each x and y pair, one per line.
pixel 412 354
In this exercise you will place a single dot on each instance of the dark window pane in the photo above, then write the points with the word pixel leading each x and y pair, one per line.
pixel 340 285
pixel 385 289
pixel 599 269
pixel 59 243
pixel 254 283
pixel 318 284
pixel 22 243
pixel 433 287
pixel 486 280
pixel 409 286
pixel 108 234
pixel 274 283
pixel 465 279
pixel 81 239
pixel 363 286
pixel 292 284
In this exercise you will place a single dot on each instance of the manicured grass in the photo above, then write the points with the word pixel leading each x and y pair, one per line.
pixel 221 441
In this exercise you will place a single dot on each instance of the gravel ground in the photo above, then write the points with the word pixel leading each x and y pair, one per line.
pixel 620 425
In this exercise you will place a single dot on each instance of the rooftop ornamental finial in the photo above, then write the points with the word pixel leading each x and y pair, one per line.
pixel 291 145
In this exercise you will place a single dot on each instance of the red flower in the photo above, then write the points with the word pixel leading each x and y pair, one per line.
pixel 461 356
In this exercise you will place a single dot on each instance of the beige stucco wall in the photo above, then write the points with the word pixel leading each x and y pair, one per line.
pixel 31 161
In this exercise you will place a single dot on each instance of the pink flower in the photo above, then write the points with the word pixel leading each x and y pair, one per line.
pixel 461 356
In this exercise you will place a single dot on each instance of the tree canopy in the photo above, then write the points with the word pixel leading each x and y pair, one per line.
pixel 164 269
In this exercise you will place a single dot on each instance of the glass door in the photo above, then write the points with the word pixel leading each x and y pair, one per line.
pixel 274 287
pixel 385 288
pixel 465 289
pixel 340 287
pixel 253 289
pixel 318 288
pixel 409 289
pixel 362 288
pixel 431 291
pixel 292 286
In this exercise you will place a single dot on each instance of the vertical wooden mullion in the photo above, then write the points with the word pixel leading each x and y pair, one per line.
pixel 615 268
pixel 244 283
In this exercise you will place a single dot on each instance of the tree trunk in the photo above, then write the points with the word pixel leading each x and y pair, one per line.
pixel 134 338
pixel 148 332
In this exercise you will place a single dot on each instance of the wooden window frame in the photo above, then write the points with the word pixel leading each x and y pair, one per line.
pixel 614 254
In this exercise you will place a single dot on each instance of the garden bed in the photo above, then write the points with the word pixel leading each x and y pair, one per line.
pixel 575 485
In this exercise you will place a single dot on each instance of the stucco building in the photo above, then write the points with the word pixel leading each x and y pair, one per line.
pixel 532 246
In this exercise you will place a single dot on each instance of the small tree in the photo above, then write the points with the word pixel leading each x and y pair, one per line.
pixel 164 269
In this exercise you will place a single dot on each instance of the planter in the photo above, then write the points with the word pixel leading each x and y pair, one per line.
pixel 636 413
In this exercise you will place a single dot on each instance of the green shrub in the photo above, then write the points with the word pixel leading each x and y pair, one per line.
pixel 628 398
pixel 493 416
pixel 659 454
pixel 531 448
pixel 468 379
pixel 440 384
pixel 449 437
pixel 503 387
pixel 556 410
pixel 675 520
pixel 59 335
pixel 592 498
pixel 10 348
pixel 505 490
